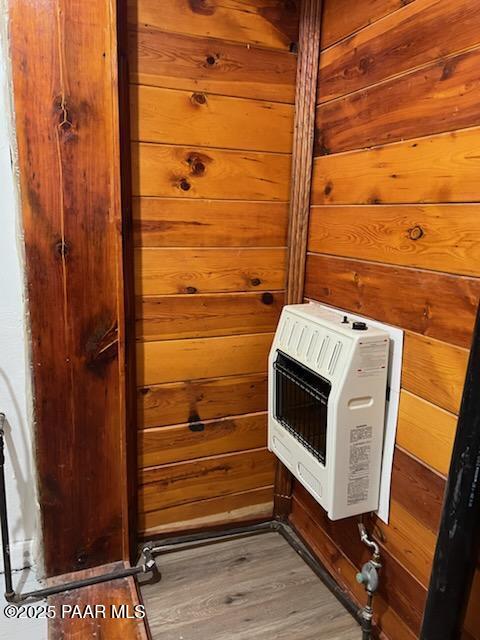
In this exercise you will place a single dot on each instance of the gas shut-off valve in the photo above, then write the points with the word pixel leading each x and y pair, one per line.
pixel 369 577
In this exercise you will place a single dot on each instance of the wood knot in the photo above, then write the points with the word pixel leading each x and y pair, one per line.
pixel 64 118
pixel 365 64
pixel 416 232
pixel 255 282
pixel 185 184
pixel 198 168
pixel 101 346
pixel 202 7
pixel 210 60
pixel 191 290
pixel 199 98
pixel 447 70
pixel 197 165
pixel 62 248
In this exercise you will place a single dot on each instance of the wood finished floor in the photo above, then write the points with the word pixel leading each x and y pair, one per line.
pixel 255 587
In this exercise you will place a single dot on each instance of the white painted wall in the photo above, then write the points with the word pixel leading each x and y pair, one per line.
pixel 15 379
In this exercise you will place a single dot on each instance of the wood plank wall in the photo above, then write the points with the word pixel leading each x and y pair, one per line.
pixel 64 64
pixel 212 92
pixel 395 235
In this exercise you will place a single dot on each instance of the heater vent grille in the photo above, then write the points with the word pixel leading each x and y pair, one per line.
pixel 334 358
pixel 301 398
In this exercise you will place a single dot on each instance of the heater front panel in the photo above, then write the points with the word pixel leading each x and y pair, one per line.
pixel 301 404
pixel 327 393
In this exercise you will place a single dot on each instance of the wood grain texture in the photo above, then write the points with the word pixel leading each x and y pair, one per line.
pixel 200 400
pixel 438 237
pixel 248 506
pixel 434 370
pixel 211 102
pixel 437 305
pixel 171 116
pixel 393 237
pixel 217 314
pixel 192 172
pixel 197 439
pixel 302 150
pixel 251 587
pixel 202 270
pixel 176 360
pixel 426 431
pixel 342 18
pixel 407 540
pixel 210 65
pixel 442 168
pixel 64 62
pixel 418 489
pixel 116 593
pixel 386 620
pixel 174 222
pixel 283 487
pixel 430 100
pixel 302 157
pixel 404 593
pixel 178 484
pixel 404 39
pixel 270 23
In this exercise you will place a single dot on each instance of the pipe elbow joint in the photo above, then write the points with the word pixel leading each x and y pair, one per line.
pixel 11 597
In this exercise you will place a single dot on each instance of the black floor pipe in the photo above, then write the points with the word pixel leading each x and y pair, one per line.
pixel 287 533
pixel 40 594
pixel 213 534
pixel 459 535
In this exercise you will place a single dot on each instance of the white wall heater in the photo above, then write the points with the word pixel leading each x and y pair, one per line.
pixel 327 398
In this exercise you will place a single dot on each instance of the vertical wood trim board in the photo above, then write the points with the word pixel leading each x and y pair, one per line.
pixel 302 163
pixel 302 151
pixel 127 226
pixel 64 57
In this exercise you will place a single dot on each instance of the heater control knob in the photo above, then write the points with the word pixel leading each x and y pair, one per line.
pixel 359 326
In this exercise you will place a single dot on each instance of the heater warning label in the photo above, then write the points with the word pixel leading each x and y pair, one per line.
pixel 359 464
pixel 372 358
